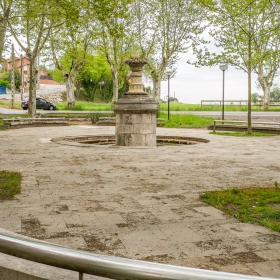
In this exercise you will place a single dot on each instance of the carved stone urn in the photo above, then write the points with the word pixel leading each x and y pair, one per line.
pixel 136 111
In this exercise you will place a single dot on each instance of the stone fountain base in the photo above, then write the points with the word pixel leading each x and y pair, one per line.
pixel 136 122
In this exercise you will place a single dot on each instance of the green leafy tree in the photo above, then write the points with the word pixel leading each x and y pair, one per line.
pixel 275 94
pixel 69 47
pixel 57 75
pixel 31 23
pixel 255 97
pixel 242 30
pixel 166 28
pixel 115 38
pixel 18 79
pixel 6 78
pixel 95 77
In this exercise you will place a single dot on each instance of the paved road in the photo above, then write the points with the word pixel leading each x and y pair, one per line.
pixel 6 111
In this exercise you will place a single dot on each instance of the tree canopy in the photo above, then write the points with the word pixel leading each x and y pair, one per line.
pixel 245 32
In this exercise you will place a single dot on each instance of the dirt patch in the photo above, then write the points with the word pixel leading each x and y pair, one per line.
pixel 32 227
pixel 106 244
pixel 269 238
pixel 241 257
pixel 164 258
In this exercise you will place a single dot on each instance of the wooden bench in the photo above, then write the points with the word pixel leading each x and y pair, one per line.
pixel 23 122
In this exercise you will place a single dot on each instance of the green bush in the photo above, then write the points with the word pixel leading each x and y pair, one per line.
pixel 5 83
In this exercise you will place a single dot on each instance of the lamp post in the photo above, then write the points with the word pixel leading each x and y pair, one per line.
pixel 168 72
pixel 223 67
pixel 101 84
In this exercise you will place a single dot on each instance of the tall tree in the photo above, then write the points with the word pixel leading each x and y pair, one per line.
pixel 268 47
pixel 69 47
pixel 275 94
pixel 242 29
pixel 166 28
pixel 95 76
pixel 115 40
pixel 5 10
pixel 30 23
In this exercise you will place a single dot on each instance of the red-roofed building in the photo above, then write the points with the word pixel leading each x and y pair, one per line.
pixel 23 67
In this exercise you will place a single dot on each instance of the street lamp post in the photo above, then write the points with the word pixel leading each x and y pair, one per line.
pixel 223 67
pixel 102 84
pixel 168 72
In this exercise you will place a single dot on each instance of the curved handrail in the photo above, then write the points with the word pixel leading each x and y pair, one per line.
pixel 104 265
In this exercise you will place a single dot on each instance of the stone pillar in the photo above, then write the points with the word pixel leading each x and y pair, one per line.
pixel 136 112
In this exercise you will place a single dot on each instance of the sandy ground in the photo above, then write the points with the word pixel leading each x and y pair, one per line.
pixel 142 203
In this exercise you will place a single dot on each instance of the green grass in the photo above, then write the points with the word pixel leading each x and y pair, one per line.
pixel 86 106
pixel 185 121
pixel 242 134
pixel 2 127
pixel 176 106
pixel 255 205
pixel 8 104
pixel 9 184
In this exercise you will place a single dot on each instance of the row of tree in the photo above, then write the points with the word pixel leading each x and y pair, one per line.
pixel 246 35
pixel 274 96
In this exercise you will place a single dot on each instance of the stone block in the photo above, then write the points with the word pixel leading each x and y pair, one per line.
pixel 143 128
pixel 151 140
pixel 124 128
pixel 128 106
pixel 118 118
pixel 120 139
pixel 127 118
pixel 147 118
pixel 148 106
pixel 137 118
pixel 138 140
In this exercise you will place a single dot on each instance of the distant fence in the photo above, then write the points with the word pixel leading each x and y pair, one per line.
pixel 235 103
pixel 226 102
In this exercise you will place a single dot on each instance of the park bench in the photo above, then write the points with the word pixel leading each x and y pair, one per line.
pixel 24 122
pixel 231 125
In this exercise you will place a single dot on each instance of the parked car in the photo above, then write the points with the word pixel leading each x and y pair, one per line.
pixel 40 104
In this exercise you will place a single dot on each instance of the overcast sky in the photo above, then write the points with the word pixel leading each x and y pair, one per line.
pixel 191 85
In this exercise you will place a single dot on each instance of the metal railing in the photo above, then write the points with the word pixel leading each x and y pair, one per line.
pixel 104 265
pixel 243 122
pixel 227 102
pixel 236 103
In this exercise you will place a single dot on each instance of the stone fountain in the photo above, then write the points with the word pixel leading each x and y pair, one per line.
pixel 136 111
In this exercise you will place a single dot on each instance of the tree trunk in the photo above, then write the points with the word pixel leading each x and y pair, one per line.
pixel 3 28
pixel 249 102
pixel 6 6
pixel 32 86
pixel 266 90
pixel 249 74
pixel 115 77
pixel 156 88
pixel 70 90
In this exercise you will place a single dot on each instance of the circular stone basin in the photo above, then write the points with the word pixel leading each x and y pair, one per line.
pixel 111 140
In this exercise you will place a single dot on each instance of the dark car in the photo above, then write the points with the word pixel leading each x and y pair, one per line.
pixel 40 104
